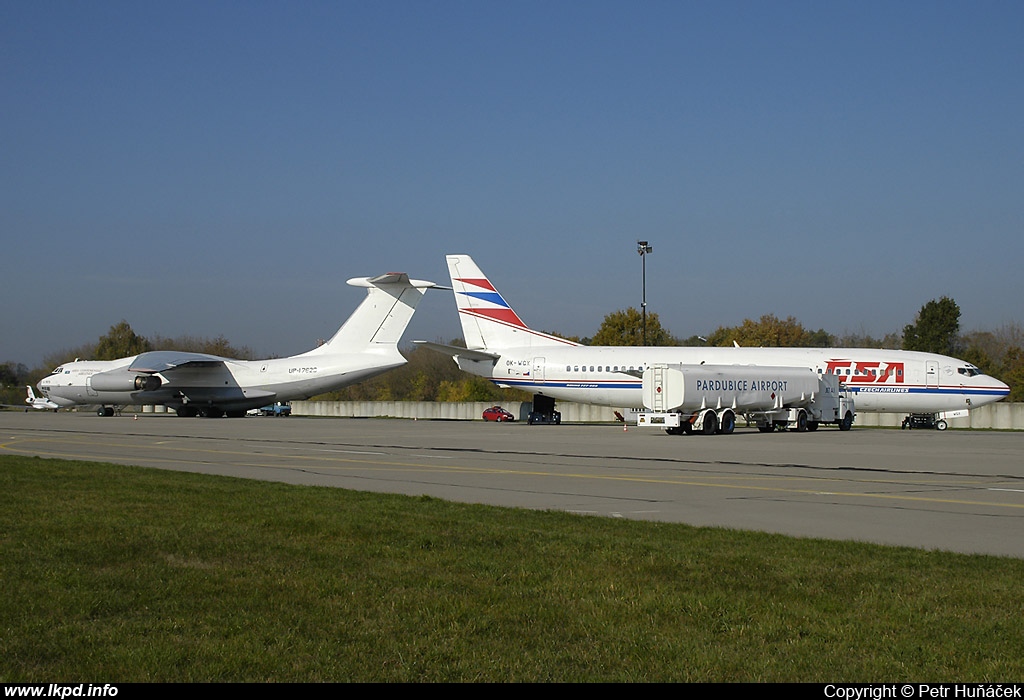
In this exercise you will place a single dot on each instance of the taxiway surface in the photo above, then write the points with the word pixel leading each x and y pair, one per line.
pixel 960 491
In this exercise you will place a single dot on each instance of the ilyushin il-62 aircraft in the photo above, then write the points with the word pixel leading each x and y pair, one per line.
pixel 197 384
pixel 502 348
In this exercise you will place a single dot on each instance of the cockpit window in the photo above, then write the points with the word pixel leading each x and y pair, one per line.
pixel 58 370
pixel 970 371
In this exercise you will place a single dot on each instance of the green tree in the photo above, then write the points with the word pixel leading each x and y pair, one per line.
pixel 120 341
pixel 936 328
pixel 13 378
pixel 626 328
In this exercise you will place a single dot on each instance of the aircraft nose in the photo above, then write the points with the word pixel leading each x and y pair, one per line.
pixel 999 389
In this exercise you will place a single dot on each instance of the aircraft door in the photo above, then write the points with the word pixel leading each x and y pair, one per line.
pixel 538 370
pixel 931 374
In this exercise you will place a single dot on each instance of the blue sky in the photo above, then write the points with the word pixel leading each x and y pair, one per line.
pixel 221 168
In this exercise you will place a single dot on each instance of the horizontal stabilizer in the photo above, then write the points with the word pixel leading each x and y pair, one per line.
pixel 380 320
pixel 456 351
pixel 393 278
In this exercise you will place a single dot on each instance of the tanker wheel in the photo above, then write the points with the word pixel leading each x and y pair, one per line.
pixel 728 423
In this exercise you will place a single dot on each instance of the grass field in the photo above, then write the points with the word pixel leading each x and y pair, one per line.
pixel 121 574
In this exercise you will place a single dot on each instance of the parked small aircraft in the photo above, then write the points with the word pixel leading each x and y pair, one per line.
pixel 36 402
pixel 39 402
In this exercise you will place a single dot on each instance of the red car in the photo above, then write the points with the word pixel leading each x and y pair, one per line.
pixel 497 413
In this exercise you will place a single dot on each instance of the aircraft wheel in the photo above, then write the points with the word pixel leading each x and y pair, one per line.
pixel 101 411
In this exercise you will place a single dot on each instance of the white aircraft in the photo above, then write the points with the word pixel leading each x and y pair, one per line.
pixel 207 385
pixel 39 402
pixel 505 350
pixel 36 402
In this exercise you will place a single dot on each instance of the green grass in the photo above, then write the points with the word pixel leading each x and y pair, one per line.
pixel 123 574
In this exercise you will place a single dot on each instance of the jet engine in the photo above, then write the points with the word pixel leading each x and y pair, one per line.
pixel 123 380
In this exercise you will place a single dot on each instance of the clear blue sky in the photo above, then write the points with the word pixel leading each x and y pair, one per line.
pixel 221 168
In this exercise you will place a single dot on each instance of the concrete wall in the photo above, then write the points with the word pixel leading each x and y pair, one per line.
pixel 998 416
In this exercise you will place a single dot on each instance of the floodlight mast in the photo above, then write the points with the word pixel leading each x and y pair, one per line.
pixel 643 248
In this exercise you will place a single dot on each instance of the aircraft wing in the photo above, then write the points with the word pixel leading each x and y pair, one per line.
pixel 456 351
pixel 167 360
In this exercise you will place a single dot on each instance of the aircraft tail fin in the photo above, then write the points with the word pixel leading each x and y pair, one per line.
pixel 31 394
pixel 488 322
pixel 382 317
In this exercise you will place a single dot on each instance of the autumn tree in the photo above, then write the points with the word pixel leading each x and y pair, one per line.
pixel 211 346
pixel 1012 372
pixel 999 353
pixel 770 332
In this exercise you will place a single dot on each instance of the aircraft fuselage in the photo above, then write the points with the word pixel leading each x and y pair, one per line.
pixel 234 385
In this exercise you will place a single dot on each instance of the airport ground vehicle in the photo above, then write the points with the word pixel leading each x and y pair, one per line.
pixel 498 414
pixel 924 420
pixel 544 412
pixel 707 399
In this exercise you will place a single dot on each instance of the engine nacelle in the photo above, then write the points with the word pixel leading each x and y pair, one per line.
pixel 123 380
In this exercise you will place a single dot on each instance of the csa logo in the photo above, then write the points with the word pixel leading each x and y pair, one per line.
pixel 851 372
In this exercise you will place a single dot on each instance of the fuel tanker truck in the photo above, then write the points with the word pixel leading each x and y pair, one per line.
pixel 706 399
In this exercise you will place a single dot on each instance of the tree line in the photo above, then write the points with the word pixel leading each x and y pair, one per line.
pixel 430 376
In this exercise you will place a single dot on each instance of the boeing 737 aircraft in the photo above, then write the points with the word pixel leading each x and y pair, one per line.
pixel 505 350
pixel 207 385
